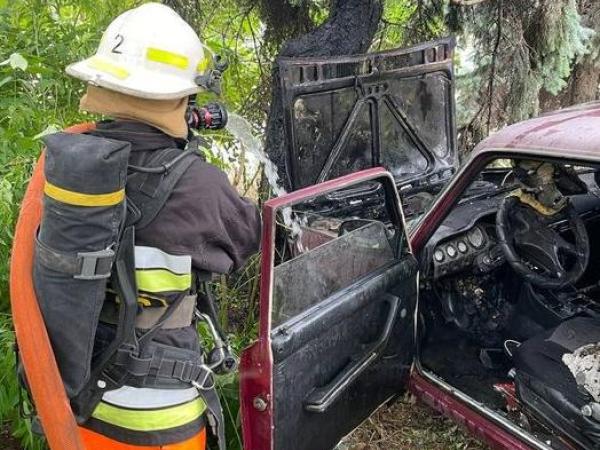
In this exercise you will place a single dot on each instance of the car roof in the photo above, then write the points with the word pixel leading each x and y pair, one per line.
pixel 570 132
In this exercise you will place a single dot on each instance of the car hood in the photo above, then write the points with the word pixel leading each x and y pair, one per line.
pixel 393 109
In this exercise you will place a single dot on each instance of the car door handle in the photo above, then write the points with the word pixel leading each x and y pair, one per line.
pixel 322 398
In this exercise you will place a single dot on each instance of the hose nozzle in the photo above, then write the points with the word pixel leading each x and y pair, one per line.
pixel 212 116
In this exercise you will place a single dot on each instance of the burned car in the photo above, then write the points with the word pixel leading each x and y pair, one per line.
pixel 501 256
pixel 388 269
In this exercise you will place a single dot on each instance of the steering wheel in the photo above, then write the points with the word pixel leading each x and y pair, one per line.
pixel 538 252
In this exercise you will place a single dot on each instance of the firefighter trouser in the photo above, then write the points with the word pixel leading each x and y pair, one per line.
pixel 96 441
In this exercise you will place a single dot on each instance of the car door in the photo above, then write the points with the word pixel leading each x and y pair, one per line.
pixel 338 297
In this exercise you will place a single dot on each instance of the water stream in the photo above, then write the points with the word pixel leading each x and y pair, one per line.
pixel 241 129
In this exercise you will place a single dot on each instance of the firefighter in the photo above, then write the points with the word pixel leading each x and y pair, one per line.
pixel 148 63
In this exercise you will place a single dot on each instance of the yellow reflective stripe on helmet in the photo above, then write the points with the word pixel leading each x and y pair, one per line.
pixel 167 57
pixel 161 280
pixel 150 420
pixel 203 64
pixel 81 199
pixel 108 67
pixel 206 61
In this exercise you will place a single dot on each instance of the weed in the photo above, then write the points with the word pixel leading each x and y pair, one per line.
pixel 13 402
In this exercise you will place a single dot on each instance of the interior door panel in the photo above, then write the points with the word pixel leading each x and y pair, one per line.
pixel 322 343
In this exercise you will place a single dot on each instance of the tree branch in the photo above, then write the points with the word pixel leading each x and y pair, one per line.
pixel 493 64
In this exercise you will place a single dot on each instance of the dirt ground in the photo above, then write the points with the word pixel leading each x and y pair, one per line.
pixel 7 442
pixel 407 425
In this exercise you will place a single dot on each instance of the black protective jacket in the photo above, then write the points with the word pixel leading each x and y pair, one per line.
pixel 204 217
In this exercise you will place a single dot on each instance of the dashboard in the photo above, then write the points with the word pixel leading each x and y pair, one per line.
pixel 476 248
pixel 466 240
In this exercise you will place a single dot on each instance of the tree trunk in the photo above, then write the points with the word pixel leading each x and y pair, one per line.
pixel 189 10
pixel 584 80
pixel 349 30
pixel 582 87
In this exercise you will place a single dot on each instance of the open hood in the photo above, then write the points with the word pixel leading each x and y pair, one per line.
pixel 393 109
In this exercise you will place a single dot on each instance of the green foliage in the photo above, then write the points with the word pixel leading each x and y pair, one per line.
pixel 409 22
pixel 394 25
pixel 238 306
pixel 237 298
pixel 234 33
pixel 564 40
pixel 12 399
pixel 519 49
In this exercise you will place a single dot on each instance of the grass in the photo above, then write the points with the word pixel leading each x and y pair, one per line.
pixel 12 401
pixel 408 425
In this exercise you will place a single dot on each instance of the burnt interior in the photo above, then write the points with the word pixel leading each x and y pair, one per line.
pixel 476 310
pixel 509 268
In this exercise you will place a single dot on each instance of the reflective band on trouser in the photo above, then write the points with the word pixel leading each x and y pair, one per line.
pixel 166 57
pixel 150 420
pixel 81 199
pixel 108 67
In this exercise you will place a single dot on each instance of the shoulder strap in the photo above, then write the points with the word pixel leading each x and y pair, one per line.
pixel 103 376
pixel 149 187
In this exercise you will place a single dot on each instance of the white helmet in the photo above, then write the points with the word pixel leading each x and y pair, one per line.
pixel 147 52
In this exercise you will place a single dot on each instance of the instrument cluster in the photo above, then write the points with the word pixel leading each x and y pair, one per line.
pixel 459 253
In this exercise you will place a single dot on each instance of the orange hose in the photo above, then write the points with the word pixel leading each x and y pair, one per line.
pixel 42 373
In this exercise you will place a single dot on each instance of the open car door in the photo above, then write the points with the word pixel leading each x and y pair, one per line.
pixel 338 297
